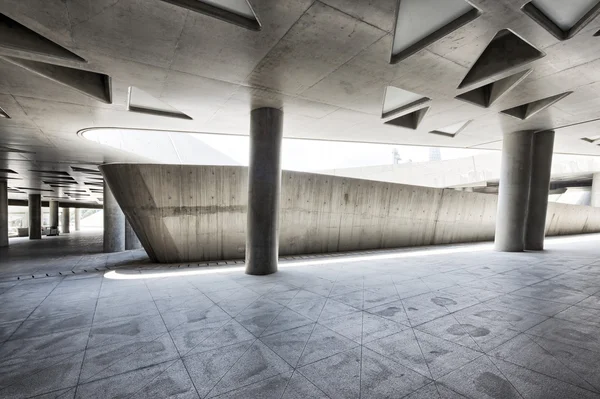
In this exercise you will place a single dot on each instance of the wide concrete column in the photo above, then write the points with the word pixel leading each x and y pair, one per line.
pixel 595 190
pixel 35 216
pixel 541 165
pixel 66 220
pixel 513 196
pixel 114 223
pixel 3 214
pixel 77 219
pixel 264 186
pixel 131 239
pixel 53 210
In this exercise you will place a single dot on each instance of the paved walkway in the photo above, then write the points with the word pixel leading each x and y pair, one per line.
pixel 447 322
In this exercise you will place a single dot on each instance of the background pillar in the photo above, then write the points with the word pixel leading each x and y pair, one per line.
pixel 513 196
pixel 3 214
pixel 53 211
pixel 541 166
pixel 114 223
pixel 131 239
pixel 77 219
pixel 35 216
pixel 66 220
pixel 264 185
pixel 595 190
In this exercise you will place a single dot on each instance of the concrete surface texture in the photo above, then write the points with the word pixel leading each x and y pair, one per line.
pixel 447 322
pixel 131 239
pixel 3 214
pixel 35 216
pixel 513 198
pixel 264 191
pixel 194 213
pixel 326 63
pixel 114 223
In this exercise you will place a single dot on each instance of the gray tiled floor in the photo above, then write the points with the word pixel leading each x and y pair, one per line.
pixel 449 322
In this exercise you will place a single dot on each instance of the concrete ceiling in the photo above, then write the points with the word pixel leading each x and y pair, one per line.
pixel 327 63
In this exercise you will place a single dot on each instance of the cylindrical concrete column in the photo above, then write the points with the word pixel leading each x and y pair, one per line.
pixel 264 185
pixel 53 211
pixel 541 165
pixel 131 239
pixel 35 216
pixel 77 219
pixel 595 190
pixel 513 196
pixel 3 214
pixel 66 220
pixel 114 223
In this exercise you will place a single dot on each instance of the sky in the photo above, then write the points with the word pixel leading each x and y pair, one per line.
pixel 312 155
pixel 299 155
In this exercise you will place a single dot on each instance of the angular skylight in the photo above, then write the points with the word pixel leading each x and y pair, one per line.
pixel 17 37
pixel 505 52
pixel 239 7
pixel 237 12
pixel 451 130
pixel 485 96
pixel 422 22
pixel 397 100
pixel 412 120
pixel 92 84
pixel 3 114
pixel 562 18
pixel 591 139
pixel 526 111
pixel 142 102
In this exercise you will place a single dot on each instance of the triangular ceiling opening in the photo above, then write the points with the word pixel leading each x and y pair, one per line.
pixel 92 84
pixel 422 22
pixel 485 96
pixel 411 120
pixel 237 12
pixel 397 100
pixel 451 130
pixel 506 51
pixel 563 19
pixel 526 111
pixel 17 37
pixel 142 102
pixel 3 114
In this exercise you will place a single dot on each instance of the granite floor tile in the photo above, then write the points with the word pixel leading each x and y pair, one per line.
pixel 480 379
pixel 383 378
pixel 535 385
pixel 323 343
pixel 207 368
pixel 122 385
pixel 525 352
pixel 256 364
pixel 299 387
pixel 106 361
pixel 337 376
pixel 289 344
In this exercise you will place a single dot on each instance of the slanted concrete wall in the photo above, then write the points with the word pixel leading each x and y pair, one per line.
pixel 195 213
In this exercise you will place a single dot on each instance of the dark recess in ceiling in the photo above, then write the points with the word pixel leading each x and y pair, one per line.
pixel 411 120
pixel 506 51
